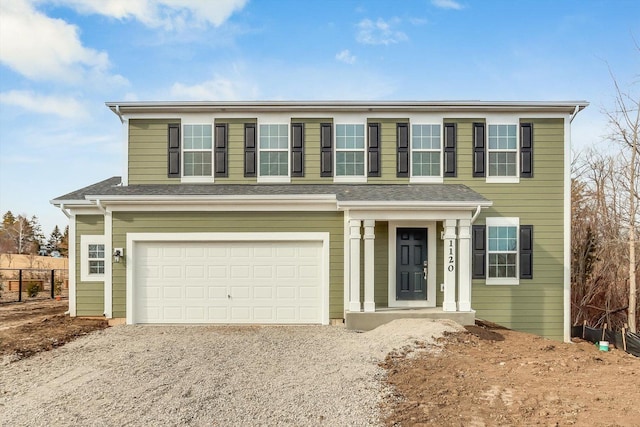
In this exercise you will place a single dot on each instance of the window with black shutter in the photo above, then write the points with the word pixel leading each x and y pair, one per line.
pixel 249 150
pixel 479 253
pixel 173 146
pixel 526 150
pixel 479 150
pixel 297 149
pixel 450 135
pixel 526 251
pixel 402 146
pixel 374 150
pixel 326 150
pixel 221 147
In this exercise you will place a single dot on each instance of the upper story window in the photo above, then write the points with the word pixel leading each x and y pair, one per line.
pixel 274 150
pixel 197 151
pixel 350 151
pixel 502 151
pixel 426 152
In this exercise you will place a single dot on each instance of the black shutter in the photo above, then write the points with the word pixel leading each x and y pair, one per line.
pixel 374 149
pixel 526 251
pixel 402 144
pixel 326 149
pixel 221 147
pixel 478 243
pixel 526 150
pixel 249 149
pixel 450 135
pixel 173 146
pixel 297 149
pixel 478 150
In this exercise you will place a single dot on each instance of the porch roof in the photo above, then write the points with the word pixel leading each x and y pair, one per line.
pixel 112 190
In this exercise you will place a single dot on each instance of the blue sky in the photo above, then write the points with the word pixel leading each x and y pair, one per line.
pixel 60 60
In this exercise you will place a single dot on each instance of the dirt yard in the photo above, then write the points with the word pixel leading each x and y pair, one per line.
pixel 492 377
pixel 30 327
pixel 488 377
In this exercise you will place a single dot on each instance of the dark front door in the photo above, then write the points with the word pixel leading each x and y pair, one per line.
pixel 411 255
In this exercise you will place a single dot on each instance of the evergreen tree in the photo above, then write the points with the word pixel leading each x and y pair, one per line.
pixel 53 244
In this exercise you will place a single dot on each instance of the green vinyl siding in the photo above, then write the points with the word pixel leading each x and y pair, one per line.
pixel 311 151
pixel 246 222
pixel 388 152
pixel 89 295
pixel 534 305
pixel 235 152
pixel 147 151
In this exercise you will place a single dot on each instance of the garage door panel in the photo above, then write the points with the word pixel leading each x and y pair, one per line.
pixel 240 272
pixel 190 282
pixel 171 271
pixel 217 292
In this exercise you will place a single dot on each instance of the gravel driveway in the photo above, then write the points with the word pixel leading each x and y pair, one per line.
pixel 209 375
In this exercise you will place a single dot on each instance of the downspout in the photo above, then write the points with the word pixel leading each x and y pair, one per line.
pixel 574 114
pixel 119 114
pixel 64 211
pixel 99 205
pixel 476 214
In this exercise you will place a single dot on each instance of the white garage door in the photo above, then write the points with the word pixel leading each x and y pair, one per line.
pixel 228 282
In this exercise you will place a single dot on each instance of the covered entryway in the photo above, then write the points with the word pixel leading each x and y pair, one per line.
pixel 246 281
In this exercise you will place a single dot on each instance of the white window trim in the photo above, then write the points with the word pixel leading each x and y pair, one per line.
pixel 351 178
pixel 274 179
pixel 504 179
pixel 85 241
pixel 425 179
pixel 503 222
pixel 196 179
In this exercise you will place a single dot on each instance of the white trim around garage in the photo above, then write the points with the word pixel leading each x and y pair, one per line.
pixel 134 238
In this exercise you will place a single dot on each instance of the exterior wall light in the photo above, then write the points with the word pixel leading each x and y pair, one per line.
pixel 117 254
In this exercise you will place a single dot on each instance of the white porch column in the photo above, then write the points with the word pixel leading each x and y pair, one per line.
pixel 354 265
pixel 369 265
pixel 449 303
pixel 464 265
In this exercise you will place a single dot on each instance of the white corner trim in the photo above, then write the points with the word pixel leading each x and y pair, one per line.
pixel 108 265
pixel 567 230
pixel 73 263
pixel 125 151
pixel 134 238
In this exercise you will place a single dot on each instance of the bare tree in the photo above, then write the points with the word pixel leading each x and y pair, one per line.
pixel 624 121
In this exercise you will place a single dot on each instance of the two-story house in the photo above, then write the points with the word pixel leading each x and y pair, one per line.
pixel 319 212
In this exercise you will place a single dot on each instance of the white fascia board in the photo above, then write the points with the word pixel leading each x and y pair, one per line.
pixel 220 203
pixel 399 205
pixel 69 204
pixel 129 109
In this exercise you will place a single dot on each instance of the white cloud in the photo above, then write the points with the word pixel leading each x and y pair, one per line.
pixel 379 32
pixel 217 89
pixel 346 57
pixel 44 48
pixel 166 14
pixel 447 4
pixel 60 106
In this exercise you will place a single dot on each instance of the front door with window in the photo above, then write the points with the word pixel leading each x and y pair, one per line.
pixel 411 264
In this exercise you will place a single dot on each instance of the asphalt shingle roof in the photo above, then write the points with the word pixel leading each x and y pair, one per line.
pixel 343 192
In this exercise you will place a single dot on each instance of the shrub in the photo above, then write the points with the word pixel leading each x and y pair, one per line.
pixel 57 287
pixel 32 289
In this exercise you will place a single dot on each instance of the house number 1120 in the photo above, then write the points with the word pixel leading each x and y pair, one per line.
pixel 451 267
